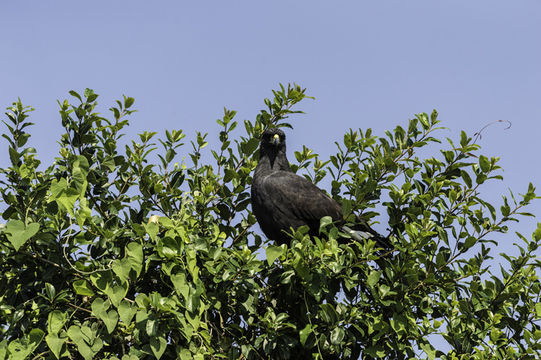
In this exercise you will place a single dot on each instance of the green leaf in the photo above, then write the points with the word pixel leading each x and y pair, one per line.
pixel 99 307
pixel 17 233
pixel 429 350
pixel 128 102
pixel 273 252
pixel 132 261
pixel 373 278
pixel 328 313
pixel 495 334
pixel 110 319
pixel 304 333
pixel 57 187
pixel 117 293
pixel 538 310
pixel 56 321
pixel 23 138
pixel 88 92
pixel 185 354
pixel 67 200
pixel 423 119
pixel 55 343
pixel 132 357
pixel 126 311
pixel 152 230
pixel 134 253
pixel 64 195
pixel 14 156
pixel 75 94
pixel 181 287
pixel 50 290
pixel 158 345
pixel 79 175
pixel 484 163
pixel 82 287
pixel 19 349
pixel 470 241
pixel 324 222
pixel 192 303
pixel 103 280
pixel 537 233
pixel 152 326
pixel 337 335
pixel 250 146
pixel 194 320
pixel 122 268
pixel 467 178
pixel 433 116
pixel 86 341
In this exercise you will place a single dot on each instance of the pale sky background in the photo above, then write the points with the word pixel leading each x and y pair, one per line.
pixel 368 64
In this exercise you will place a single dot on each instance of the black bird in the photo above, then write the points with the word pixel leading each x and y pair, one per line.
pixel 282 200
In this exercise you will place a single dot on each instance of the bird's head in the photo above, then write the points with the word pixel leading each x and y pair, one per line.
pixel 273 140
pixel 273 148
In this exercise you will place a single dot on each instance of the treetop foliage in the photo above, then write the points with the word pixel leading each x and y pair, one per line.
pixel 129 252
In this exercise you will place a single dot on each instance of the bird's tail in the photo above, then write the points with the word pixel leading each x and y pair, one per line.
pixel 361 232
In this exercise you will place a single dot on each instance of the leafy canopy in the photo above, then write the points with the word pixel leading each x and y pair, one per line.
pixel 150 249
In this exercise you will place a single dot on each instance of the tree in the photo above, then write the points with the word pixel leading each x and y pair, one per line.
pixel 112 252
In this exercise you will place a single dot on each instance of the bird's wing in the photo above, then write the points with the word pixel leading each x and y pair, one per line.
pixel 298 198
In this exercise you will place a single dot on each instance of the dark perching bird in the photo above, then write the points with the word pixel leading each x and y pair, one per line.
pixel 282 200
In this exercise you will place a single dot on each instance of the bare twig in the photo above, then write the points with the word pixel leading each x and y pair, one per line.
pixel 478 135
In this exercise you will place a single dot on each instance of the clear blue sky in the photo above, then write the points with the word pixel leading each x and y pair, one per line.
pixel 368 63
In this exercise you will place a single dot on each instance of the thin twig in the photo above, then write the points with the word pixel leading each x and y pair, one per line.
pixel 478 135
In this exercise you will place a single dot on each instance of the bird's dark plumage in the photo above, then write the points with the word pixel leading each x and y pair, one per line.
pixel 282 200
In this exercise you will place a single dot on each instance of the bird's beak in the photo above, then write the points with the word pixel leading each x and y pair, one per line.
pixel 276 139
